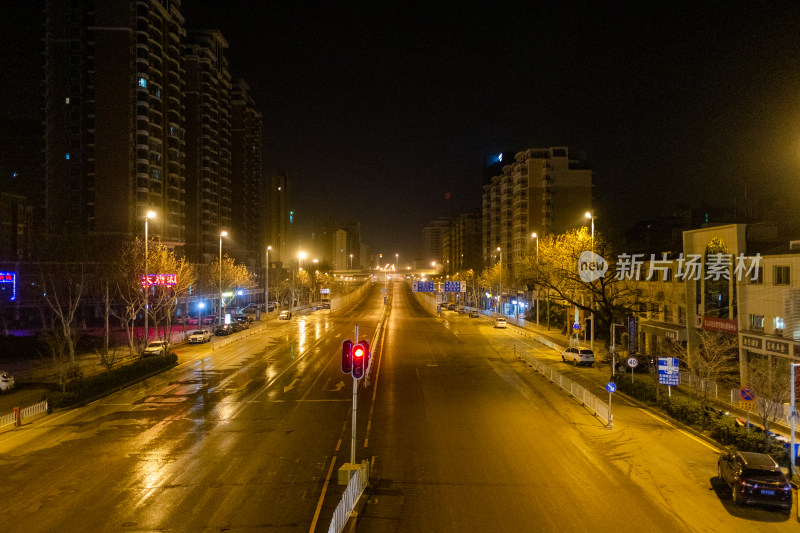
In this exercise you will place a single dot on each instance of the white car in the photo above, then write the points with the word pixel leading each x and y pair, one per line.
pixel 6 382
pixel 500 322
pixel 199 336
pixel 578 356
pixel 156 348
pixel 285 315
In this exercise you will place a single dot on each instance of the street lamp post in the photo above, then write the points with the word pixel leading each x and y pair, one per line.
pixel 221 235
pixel 535 236
pixel 266 283
pixel 397 262
pixel 147 217
pixel 500 292
pixel 592 217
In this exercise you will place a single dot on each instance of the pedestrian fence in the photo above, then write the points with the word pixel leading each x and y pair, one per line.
pixel 595 405
pixel 25 412
pixel 355 488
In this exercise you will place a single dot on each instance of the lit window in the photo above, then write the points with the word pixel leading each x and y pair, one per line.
pixel 142 82
pixel 66 100
pixel 67 155
pixel 778 323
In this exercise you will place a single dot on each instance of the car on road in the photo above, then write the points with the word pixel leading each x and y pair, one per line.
pixel 285 315
pixel 578 356
pixel 156 348
pixel 326 304
pixel 6 382
pixel 473 313
pixel 199 336
pixel 460 310
pixel 500 322
pixel 755 478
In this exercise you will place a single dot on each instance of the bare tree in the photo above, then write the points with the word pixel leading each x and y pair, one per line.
pixel 714 357
pixel 63 288
pixel 769 378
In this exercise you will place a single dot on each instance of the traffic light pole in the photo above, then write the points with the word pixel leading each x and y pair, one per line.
pixel 355 404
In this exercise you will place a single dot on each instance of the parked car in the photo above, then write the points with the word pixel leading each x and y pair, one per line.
pixel 500 322
pixel 755 478
pixel 199 336
pixel 285 315
pixel 6 382
pixel 578 356
pixel 243 323
pixel 460 310
pixel 223 330
pixel 451 307
pixel 156 348
pixel 473 313
pixel 326 304
pixel 245 318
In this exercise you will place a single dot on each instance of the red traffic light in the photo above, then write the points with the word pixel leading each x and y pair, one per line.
pixel 359 356
pixel 347 361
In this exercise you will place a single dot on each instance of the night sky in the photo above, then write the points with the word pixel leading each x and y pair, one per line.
pixel 386 115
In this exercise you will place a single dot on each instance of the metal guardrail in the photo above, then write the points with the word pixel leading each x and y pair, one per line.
pixel 355 488
pixel 596 406
pixel 26 412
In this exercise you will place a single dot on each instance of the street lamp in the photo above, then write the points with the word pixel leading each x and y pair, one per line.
pixel 147 217
pixel 200 306
pixel 592 217
pixel 351 261
pixel 266 283
pixel 500 292
pixel 221 235
pixel 535 236
pixel 396 262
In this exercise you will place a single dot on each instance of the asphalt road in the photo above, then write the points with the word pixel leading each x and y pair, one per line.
pixel 461 434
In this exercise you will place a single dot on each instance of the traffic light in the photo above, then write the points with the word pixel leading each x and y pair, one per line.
pixel 367 355
pixel 359 360
pixel 347 354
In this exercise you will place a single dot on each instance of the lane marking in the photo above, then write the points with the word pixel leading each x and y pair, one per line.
pixel 322 496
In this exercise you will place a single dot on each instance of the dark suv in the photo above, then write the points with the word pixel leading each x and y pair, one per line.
pixel 755 478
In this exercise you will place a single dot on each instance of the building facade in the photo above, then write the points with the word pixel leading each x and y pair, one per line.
pixel 542 191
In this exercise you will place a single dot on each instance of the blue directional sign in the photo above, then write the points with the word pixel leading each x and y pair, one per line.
pixel 669 371
pixel 611 387
pixel 422 286
pixel 452 286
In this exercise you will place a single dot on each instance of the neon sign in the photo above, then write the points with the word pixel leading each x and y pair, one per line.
pixel 9 279
pixel 167 280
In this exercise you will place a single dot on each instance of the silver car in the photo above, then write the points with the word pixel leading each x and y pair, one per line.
pixel 156 348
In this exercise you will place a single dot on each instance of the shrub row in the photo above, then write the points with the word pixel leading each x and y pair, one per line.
pixel 722 428
pixel 86 389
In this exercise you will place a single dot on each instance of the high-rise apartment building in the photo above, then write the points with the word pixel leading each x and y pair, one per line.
pixel 140 116
pixel 248 213
pixel 208 144
pixel 542 191
pixel 278 216
pixel 114 130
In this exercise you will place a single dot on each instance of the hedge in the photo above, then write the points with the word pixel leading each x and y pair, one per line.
pixel 689 411
pixel 96 386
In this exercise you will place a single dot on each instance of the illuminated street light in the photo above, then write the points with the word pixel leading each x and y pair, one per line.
pixel 221 235
pixel 147 217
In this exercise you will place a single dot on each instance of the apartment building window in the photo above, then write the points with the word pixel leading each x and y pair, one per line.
pixel 782 275
pixel 778 324
pixel 681 315
pixel 757 322
pixel 142 82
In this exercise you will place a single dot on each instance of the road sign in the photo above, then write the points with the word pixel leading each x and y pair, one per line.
pixel 324 291
pixel 611 387
pixel 747 394
pixel 669 371
pixel 453 286
pixel 422 286
pixel 633 362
